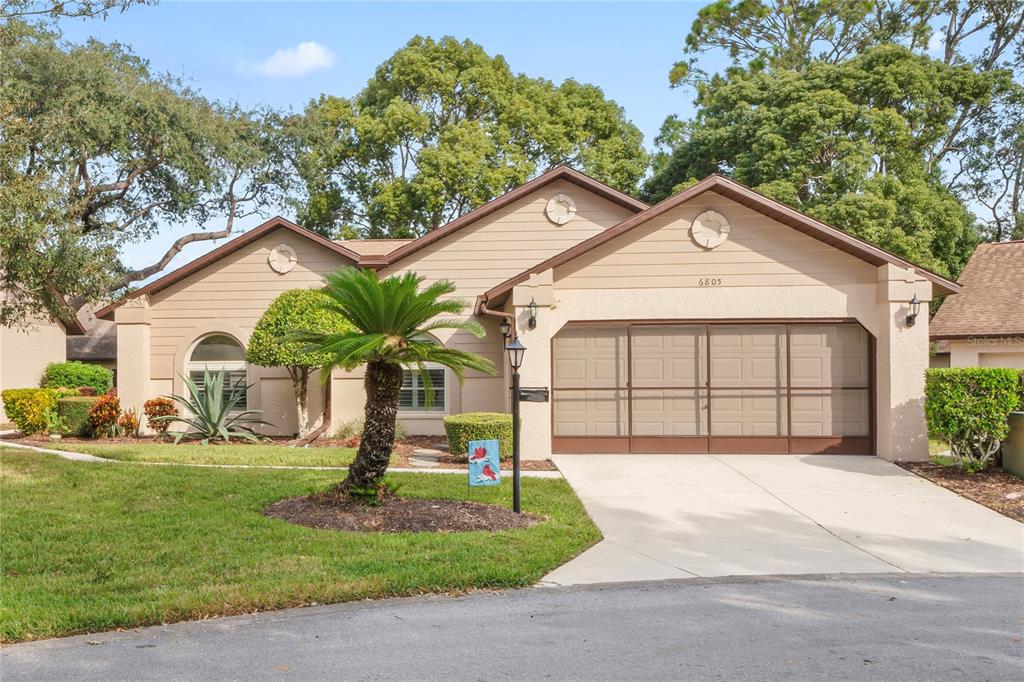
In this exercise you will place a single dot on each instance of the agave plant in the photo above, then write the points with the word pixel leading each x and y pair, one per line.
pixel 210 415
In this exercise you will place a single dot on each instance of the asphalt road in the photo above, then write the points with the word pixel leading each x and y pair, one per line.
pixel 889 627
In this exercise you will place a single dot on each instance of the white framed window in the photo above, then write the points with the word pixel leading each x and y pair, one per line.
pixel 219 352
pixel 413 396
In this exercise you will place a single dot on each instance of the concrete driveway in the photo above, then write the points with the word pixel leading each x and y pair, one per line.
pixel 677 516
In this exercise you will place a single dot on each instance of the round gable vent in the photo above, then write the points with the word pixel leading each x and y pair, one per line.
pixel 710 229
pixel 560 209
pixel 282 258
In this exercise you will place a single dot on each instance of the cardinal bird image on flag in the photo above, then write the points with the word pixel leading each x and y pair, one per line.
pixel 484 462
pixel 487 474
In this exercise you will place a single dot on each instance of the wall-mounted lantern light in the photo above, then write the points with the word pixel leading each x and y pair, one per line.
pixel 505 327
pixel 915 308
pixel 532 308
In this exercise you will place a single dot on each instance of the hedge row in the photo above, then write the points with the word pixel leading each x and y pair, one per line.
pixel 74 411
pixel 76 374
pixel 463 428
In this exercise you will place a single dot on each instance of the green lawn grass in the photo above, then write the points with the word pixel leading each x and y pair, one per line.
pixel 87 547
pixel 194 453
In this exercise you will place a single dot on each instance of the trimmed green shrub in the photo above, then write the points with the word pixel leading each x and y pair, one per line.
pixel 74 374
pixel 75 413
pixel 968 407
pixel 462 428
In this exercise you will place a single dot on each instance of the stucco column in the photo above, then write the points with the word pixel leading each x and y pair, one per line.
pixel 902 358
pixel 133 355
pixel 536 369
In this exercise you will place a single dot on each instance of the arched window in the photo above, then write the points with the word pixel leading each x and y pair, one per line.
pixel 219 352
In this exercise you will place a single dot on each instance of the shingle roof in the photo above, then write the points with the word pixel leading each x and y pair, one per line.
pixel 99 341
pixel 992 300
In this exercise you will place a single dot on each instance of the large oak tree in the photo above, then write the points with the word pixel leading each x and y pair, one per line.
pixel 443 127
pixel 97 152
pixel 891 119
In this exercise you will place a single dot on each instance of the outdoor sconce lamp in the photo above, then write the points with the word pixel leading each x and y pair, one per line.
pixel 505 327
pixel 532 322
pixel 915 308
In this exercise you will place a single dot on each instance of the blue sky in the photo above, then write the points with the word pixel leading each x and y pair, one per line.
pixel 222 48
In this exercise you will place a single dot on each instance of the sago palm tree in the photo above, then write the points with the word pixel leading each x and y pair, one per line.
pixel 392 320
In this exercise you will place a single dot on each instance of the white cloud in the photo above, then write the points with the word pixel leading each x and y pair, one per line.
pixel 294 61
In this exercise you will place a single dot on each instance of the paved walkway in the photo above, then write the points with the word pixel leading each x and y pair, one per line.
pixel 849 628
pixel 678 516
pixel 82 457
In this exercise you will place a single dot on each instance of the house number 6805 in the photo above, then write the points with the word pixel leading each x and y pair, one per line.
pixel 709 282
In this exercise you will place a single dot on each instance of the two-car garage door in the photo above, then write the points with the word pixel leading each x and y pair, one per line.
pixel 758 387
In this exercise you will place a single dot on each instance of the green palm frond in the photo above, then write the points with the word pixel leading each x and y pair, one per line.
pixel 392 320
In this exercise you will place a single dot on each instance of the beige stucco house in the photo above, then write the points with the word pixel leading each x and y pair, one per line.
pixel 983 326
pixel 26 350
pixel 716 321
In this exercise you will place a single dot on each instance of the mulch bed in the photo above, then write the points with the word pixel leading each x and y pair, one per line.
pixel 396 515
pixel 993 488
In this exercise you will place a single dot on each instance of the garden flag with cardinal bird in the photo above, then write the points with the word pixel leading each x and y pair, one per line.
pixel 484 462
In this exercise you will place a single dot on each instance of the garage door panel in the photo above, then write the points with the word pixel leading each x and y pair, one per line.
pixel 590 413
pixel 748 355
pixel 590 357
pixel 748 413
pixel 829 355
pixel 669 355
pixel 669 412
pixel 831 413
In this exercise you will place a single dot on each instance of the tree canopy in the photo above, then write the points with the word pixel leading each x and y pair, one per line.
pixel 842 142
pixel 443 127
pixel 293 310
pixel 97 153
pixel 893 120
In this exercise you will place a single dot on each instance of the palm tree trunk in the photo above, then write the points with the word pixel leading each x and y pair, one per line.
pixel 383 383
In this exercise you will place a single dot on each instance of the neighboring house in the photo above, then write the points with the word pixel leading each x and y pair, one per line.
pixel 26 351
pixel 716 321
pixel 983 326
pixel 99 343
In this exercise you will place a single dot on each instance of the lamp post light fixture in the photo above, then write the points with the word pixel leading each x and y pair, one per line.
pixel 515 351
pixel 532 307
pixel 915 308
pixel 505 327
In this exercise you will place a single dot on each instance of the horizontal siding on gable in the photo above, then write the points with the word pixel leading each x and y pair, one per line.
pixel 511 240
pixel 759 252
pixel 234 291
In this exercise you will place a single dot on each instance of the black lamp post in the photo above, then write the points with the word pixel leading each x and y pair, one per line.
pixel 915 308
pixel 515 351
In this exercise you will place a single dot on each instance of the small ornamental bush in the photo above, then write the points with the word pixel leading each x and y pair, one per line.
pixel 128 423
pixel 968 407
pixel 159 407
pixel 26 407
pixel 74 374
pixel 75 413
pixel 104 415
pixel 87 391
pixel 462 428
